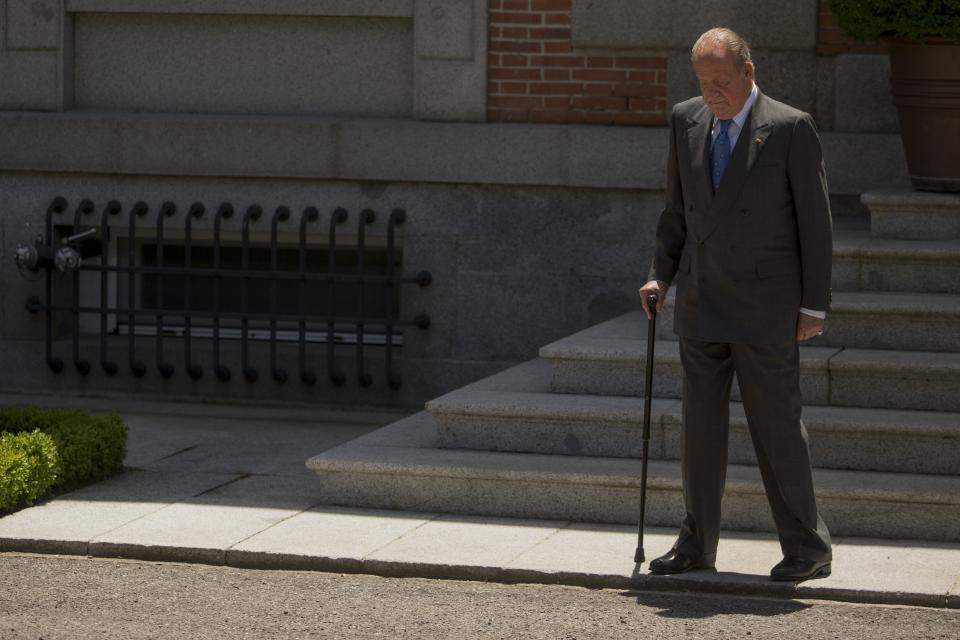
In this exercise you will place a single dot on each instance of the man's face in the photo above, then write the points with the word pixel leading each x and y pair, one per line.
pixel 724 86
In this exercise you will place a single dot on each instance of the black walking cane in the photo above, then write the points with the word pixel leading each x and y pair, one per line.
pixel 648 391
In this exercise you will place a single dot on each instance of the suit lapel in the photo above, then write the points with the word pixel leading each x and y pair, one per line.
pixel 698 139
pixel 758 129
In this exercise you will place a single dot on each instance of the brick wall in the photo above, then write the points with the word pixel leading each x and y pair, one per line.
pixel 536 76
pixel 831 40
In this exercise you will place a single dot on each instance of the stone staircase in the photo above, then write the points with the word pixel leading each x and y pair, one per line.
pixel 558 437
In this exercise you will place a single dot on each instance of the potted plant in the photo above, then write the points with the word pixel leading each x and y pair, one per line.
pixel 924 39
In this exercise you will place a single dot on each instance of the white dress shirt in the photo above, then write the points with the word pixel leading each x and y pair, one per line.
pixel 733 131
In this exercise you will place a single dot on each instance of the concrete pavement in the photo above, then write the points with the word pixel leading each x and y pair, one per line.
pixel 227 485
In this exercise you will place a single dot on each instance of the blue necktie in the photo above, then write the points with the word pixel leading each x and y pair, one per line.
pixel 721 154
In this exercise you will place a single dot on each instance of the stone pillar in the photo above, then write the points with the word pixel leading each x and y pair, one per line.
pixel 34 43
pixel 450 66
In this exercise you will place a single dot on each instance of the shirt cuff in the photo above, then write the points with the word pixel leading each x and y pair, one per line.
pixel 822 315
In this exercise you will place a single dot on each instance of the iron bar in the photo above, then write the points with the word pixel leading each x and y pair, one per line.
pixel 310 214
pixel 282 214
pixel 397 217
pixel 82 365
pixel 367 216
pixel 59 205
pixel 204 272
pixel 139 210
pixel 252 215
pixel 420 321
pixel 197 210
pixel 222 371
pixel 337 377
pixel 113 208
pixel 165 368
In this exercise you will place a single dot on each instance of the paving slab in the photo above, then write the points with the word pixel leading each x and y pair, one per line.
pixel 923 569
pixel 125 404
pixel 461 546
pixel 203 527
pixel 222 438
pixel 580 553
pixel 150 442
pixel 325 537
pixel 67 523
pixel 953 595
pixel 232 445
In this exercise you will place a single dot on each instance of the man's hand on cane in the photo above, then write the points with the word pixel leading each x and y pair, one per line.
pixel 658 287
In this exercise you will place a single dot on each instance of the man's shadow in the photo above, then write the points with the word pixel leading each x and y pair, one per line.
pixel 737 594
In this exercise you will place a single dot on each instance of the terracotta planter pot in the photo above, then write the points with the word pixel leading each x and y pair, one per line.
pixel 926 88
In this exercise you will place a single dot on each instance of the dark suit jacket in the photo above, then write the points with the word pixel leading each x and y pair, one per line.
pixel 746 258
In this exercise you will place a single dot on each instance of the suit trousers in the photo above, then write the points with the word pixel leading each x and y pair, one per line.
pixel 769 379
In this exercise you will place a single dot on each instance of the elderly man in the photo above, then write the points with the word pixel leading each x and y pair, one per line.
pixel 746 239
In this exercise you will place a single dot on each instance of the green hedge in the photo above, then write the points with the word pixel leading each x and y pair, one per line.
pixel 44 450
pixel 913 19
pixel 28 467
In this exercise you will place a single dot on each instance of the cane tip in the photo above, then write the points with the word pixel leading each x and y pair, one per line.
pixel 638 557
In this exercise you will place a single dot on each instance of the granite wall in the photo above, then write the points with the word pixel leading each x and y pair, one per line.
pixel 531 230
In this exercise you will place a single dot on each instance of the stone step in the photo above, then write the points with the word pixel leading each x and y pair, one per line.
pixel 887 320
pixel 515 411
pixel 609 358
pixel 401 467
pixel 895 379
pixel 878 320
pixel 865 263
pixel 902 213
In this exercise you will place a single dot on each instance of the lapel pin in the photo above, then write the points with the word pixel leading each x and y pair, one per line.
pixel 759 140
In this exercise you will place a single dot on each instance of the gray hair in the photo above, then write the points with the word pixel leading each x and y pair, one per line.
pixel 729 39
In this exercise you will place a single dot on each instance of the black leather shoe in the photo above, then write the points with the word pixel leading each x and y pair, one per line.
pixel 794 569
pixel 677 562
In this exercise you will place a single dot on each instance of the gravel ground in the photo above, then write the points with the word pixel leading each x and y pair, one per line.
pixel 53 597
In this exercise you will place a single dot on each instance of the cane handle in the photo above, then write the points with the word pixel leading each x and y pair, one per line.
pixel 652 302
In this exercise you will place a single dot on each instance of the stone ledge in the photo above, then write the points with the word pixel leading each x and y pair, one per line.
pixel 332 148
pixel 382 149
pixel 368 8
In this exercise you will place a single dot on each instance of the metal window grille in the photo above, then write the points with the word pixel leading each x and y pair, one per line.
pixel 303 292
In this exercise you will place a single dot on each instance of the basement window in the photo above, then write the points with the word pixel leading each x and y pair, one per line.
pixel 269 294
